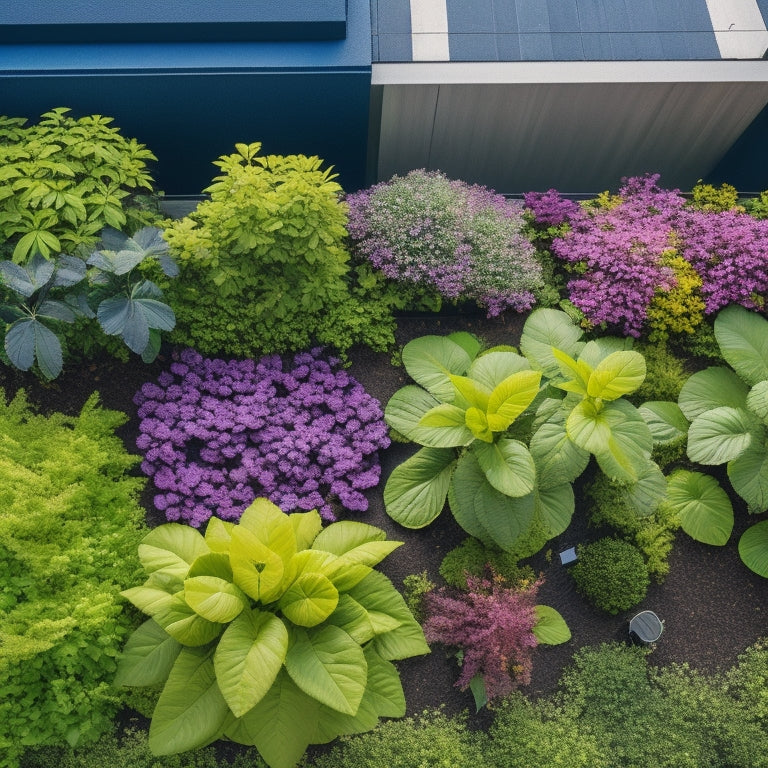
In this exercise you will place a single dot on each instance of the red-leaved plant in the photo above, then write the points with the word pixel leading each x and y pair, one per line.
pixel 492 625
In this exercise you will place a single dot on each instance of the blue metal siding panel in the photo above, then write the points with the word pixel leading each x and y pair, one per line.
pixel 567 47
pixel 532 16
pixel 394 17
pixel 563 15
pixel 505 16
pixel 395 47
pixel 467 18
pixel 473 47
pixel 536 47
pixel 508 47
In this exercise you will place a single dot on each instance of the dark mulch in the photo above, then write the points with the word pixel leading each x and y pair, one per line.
pixel 713 607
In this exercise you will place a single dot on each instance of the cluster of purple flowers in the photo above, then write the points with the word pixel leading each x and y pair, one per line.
pixel 464 240
pixel 217 434
pixel 617 251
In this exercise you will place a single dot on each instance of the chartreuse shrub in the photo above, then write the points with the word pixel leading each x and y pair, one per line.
pixel 69 528
pixel 37 298
pixel 270 632
pixel 727 408
pixel 65 179
pixel 263 262
pixel 473 558
pixel 611 574
pixel 505 435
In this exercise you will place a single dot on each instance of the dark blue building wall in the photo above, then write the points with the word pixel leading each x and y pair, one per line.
pixel 190 102
pixel 745 165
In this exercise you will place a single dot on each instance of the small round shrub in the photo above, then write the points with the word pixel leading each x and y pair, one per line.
pixel 472 558
pixel 216 435
pixel 611 574
pixel 464 241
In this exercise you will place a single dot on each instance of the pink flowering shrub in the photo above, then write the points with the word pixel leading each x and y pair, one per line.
pixel 620 255
pixel 465 241
pixel 215 435
pixel 492 624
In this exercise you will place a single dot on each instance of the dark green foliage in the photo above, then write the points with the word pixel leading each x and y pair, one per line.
pixel 702 344
pixel 415 587
pixel 757 206
pixel 665 374
pixel 429 741
pixel 65 179
pixel 69 530
pixel 473 558
pixel 264 267
pixel 611 574
pixel 654 534
pixel 748 680
pixel 131 750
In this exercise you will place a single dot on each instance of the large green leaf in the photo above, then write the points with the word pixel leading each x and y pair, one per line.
pixel 557 458
pixel 119 316
pixel 511 397
pixel 248 658
pixel 280 726
pixel 257 570
pixel 550 627
pixel 218 535
pixel 149 599
pixel 720 435
pixel 665 420
pixel 596 350
pixel 485 512
pixel 470 392
pixel 186 626
pixel 385 605
pixel 508 466
pixel 703 507
pixel 408 406
pixel 147 657
pixel 191 711
pixel 712 388
pixel 358 542
pixel 415 492
pixel 354 620
pixel 306 527
pixel 171 548
pixel 310 600
pixel 757 400
pixel 328 665
pixel 749 475
pixel 430 360
pixel 743 339
pixel 491 368
pixel 618 374
pixel 213 564
pixel 547 328
pixel 649 490
pixel 271 526
pixel 467 341
pixel 214 598
pixel 575 372
pixel 753 548
pixel 554 508
pixel 27 340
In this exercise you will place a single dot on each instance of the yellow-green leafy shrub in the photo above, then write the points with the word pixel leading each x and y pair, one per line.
pixel 69 529
pixel 707 197
pixel 679 309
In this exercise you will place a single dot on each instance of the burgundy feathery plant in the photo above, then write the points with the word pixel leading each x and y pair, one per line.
pixel 492 624
pixel 217 434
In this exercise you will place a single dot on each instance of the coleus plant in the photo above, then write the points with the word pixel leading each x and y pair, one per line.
pixel 505 435
pixel 270 632
pixel 724 412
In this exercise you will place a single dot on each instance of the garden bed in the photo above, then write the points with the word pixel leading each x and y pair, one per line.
pixel 713 607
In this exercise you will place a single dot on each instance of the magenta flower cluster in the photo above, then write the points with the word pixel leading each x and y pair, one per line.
pixel 616 251
pixel 465 241
pixel 493 625
pixel 215 435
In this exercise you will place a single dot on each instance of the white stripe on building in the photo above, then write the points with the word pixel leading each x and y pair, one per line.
pixel 429 30
pixel 739 28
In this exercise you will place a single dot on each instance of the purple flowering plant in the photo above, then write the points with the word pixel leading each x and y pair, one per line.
pixel 620 250
pixel 217 434
pixel 464 241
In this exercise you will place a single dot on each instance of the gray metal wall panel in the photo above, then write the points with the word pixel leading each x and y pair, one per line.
pixel 577 137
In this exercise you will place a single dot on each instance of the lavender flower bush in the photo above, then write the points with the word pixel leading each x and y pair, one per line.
pixel 215 435
pixel 465 241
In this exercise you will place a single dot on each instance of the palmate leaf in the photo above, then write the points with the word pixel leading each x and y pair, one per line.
pixel 508 466
pixel 753 548
pixel 719 435
pixel 328 665
pixel 712 388
pixel 28 341
pixel 547 328
pixel 430 360
pixel 550 627
pixel 415 492
pixel 191 710
pixel 743 340
pixel 484 512
pixel 703 507
pixel 148 656
pixel 248 658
